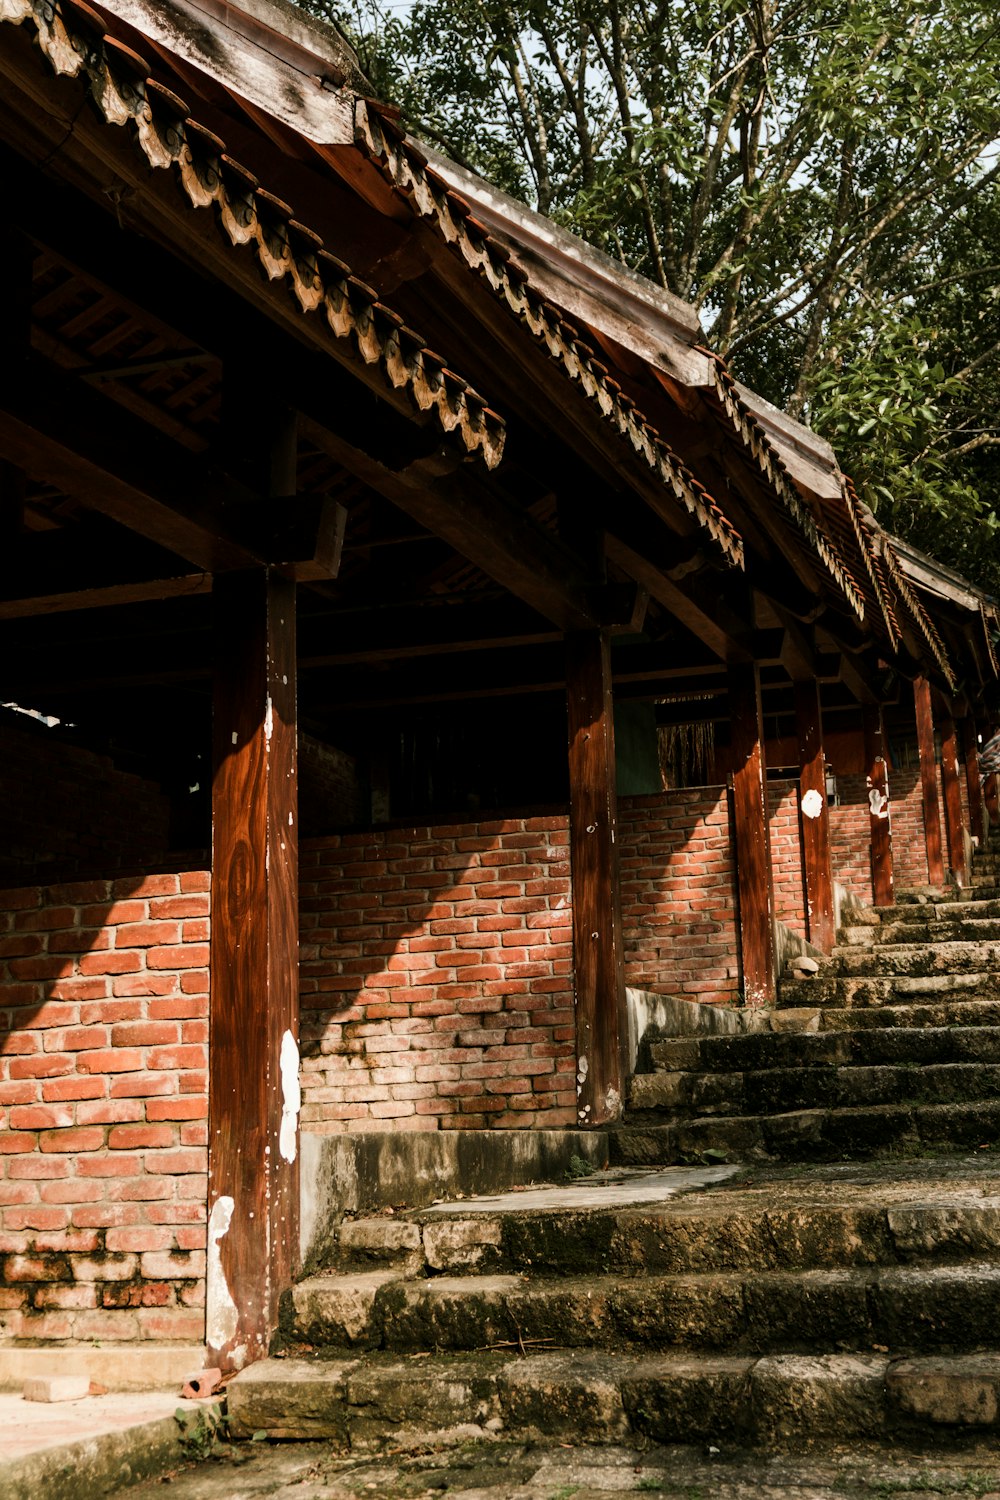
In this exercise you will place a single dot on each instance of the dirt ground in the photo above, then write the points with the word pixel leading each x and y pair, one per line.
pixel 477 1470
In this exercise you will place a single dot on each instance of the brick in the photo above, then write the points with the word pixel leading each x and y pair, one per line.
pixel 140 1238
pixel 77 1039
pixel 75 1139
pixel 138 1137
pixel 39 1117
pixel 110 1060
pixel 110 963
pixel 147 934
pixel 73 1088
pixel 184 956
pixel 177 1109
pixel 109 1111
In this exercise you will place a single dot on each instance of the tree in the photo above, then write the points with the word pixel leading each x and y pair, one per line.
pixel 820 180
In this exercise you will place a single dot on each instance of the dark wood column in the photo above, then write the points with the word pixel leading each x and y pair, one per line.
pixel 879 811
pixel 253 1052
pixel 929 780
pixel 598 958
pixel 815 817
pixel 973 786
pixel 954 818
pixel 753 839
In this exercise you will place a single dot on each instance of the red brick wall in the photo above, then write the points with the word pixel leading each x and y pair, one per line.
pixel 851 840
pixel 678 901
pixel 437 986
pixel 103 1095
pixel 787 872
pixel 45 782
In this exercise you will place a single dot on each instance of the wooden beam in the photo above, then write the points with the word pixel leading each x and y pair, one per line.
pixel 466 512
pixel 82 567
pixel 959 847
pixel 253 1058
pixel 879 809
pixel 20 606
pixel 57 429
pixel 702 609
pixel 973 784
pixel 753 839
pixel 598 955
pixel 929 780
pixel 814 818
pixel 16 258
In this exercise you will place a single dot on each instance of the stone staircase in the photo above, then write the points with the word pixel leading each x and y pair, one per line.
pixel 801 1238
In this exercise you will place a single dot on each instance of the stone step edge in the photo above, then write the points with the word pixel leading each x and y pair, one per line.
pixel 855 1308
pixel 367 1403
pixel 891 1130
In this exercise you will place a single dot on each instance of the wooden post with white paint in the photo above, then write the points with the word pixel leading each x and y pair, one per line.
pixel 879 807
pixel 959 847
pixel 598 955
pixel 973 785
pixel 814 817
pixel 753 838
pixel 929 780
pixel 253 1053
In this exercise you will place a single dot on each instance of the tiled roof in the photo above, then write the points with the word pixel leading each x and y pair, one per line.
pixel 74 40
pixel 430 197
pixel 756 441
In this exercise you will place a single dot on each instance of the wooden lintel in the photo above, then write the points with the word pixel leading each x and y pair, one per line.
pixel 598 954
pixel 814 814
pixel 254 1059
pixel 752 838
pixel 929 780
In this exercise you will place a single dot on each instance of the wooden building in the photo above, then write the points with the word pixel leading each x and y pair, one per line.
pixel 332 485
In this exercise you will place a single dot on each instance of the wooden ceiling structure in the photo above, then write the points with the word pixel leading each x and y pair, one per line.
pixel 270 367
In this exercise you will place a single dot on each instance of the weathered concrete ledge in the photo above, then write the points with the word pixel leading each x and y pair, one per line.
pixel 366 1172
pixel 84 1449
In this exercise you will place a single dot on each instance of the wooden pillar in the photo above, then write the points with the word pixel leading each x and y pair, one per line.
pixel 929 780
pixel 879 811
pixel 753 839
pixel 253 1053
pixel 954 820
pixel 598 956
pixel 814 817
pixel 973 785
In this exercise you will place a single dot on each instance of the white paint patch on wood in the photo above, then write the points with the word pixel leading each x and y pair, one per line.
pixel 812 803
pixel 291 1097
pixel 221 1313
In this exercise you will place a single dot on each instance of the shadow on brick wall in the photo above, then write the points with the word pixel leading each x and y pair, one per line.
pixel 103 1104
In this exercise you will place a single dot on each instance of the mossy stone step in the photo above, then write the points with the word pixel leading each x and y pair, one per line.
pixel 865 990
pixel 769 1049
pixel 777 1090
pixel 811 1135
pixel 908 1309
pixel 775 1400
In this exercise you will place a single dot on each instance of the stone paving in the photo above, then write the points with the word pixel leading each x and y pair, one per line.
pixel 477 1470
